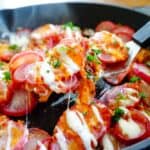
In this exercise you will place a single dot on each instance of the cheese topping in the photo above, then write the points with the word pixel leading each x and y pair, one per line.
pixel 78 124
pixel 130 128
pixel 70 65
pixel 48 75
pixel 130 99
pixel 41 146
pixel 61 139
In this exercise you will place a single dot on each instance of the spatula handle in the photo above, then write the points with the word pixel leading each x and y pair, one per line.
pixel 142 36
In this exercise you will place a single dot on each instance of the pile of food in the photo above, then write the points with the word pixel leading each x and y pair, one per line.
pixel 64 59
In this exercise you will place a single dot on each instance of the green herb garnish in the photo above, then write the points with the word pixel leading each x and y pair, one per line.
pixel 115 42
pixel 92 102
pixel 90 57
pixel 134 79
pixel 6 76
pixel 71 26
pixel 142 95
pixel 56 63
pixel 62 48
pixel 14 47
pixel 1 64
pixel 127 48
pixel 96 51
pixel 93 58
pixel 117 115
pixel 89 75
pixel 120 97
pixel 84 113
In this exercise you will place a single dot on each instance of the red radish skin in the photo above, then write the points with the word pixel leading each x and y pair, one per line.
pixel 21 103
pixel 142 71
pixel 105 25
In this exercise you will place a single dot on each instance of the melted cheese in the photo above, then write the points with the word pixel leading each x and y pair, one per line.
pixel 97 114
pixel 70 65
pixel 48 75
pixel 130 128
pixel 107 143
pixel 41 146
pixel 78 124
pixel 130 90
pixel 130 99
pixel 61 139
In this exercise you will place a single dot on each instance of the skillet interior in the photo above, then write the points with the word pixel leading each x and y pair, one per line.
pixel 84 15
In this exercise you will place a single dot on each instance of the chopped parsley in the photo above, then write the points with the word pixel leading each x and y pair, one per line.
pixel 148 63
pixel 14 47
pixel 93 102
pixel 1 64
pixel 84 113
pixel 127 48
pixel 120 96
pixel 134 79
pixel 71 26
pixel 6 76
pixel 142 95
pixel 96 51
pixel 90 57
pixel 89 75
pixel 115 42
pixel 56 63
pixel 118 113
pixel 93 58
pixel 63 48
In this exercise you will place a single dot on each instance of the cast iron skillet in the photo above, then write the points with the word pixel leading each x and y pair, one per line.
pixel 83 14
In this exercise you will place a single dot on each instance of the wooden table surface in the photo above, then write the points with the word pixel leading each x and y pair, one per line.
pixel 129 3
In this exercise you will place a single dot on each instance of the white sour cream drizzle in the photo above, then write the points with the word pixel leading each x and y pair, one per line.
pixel 107 143
pixel 1 74
pixel 8 143
pixel 78 124
pixel 61 139
pixel 97 114
pixel 130 128
pixel 130 99
pixel 41 146
pixel 48 75
pixel 70 65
